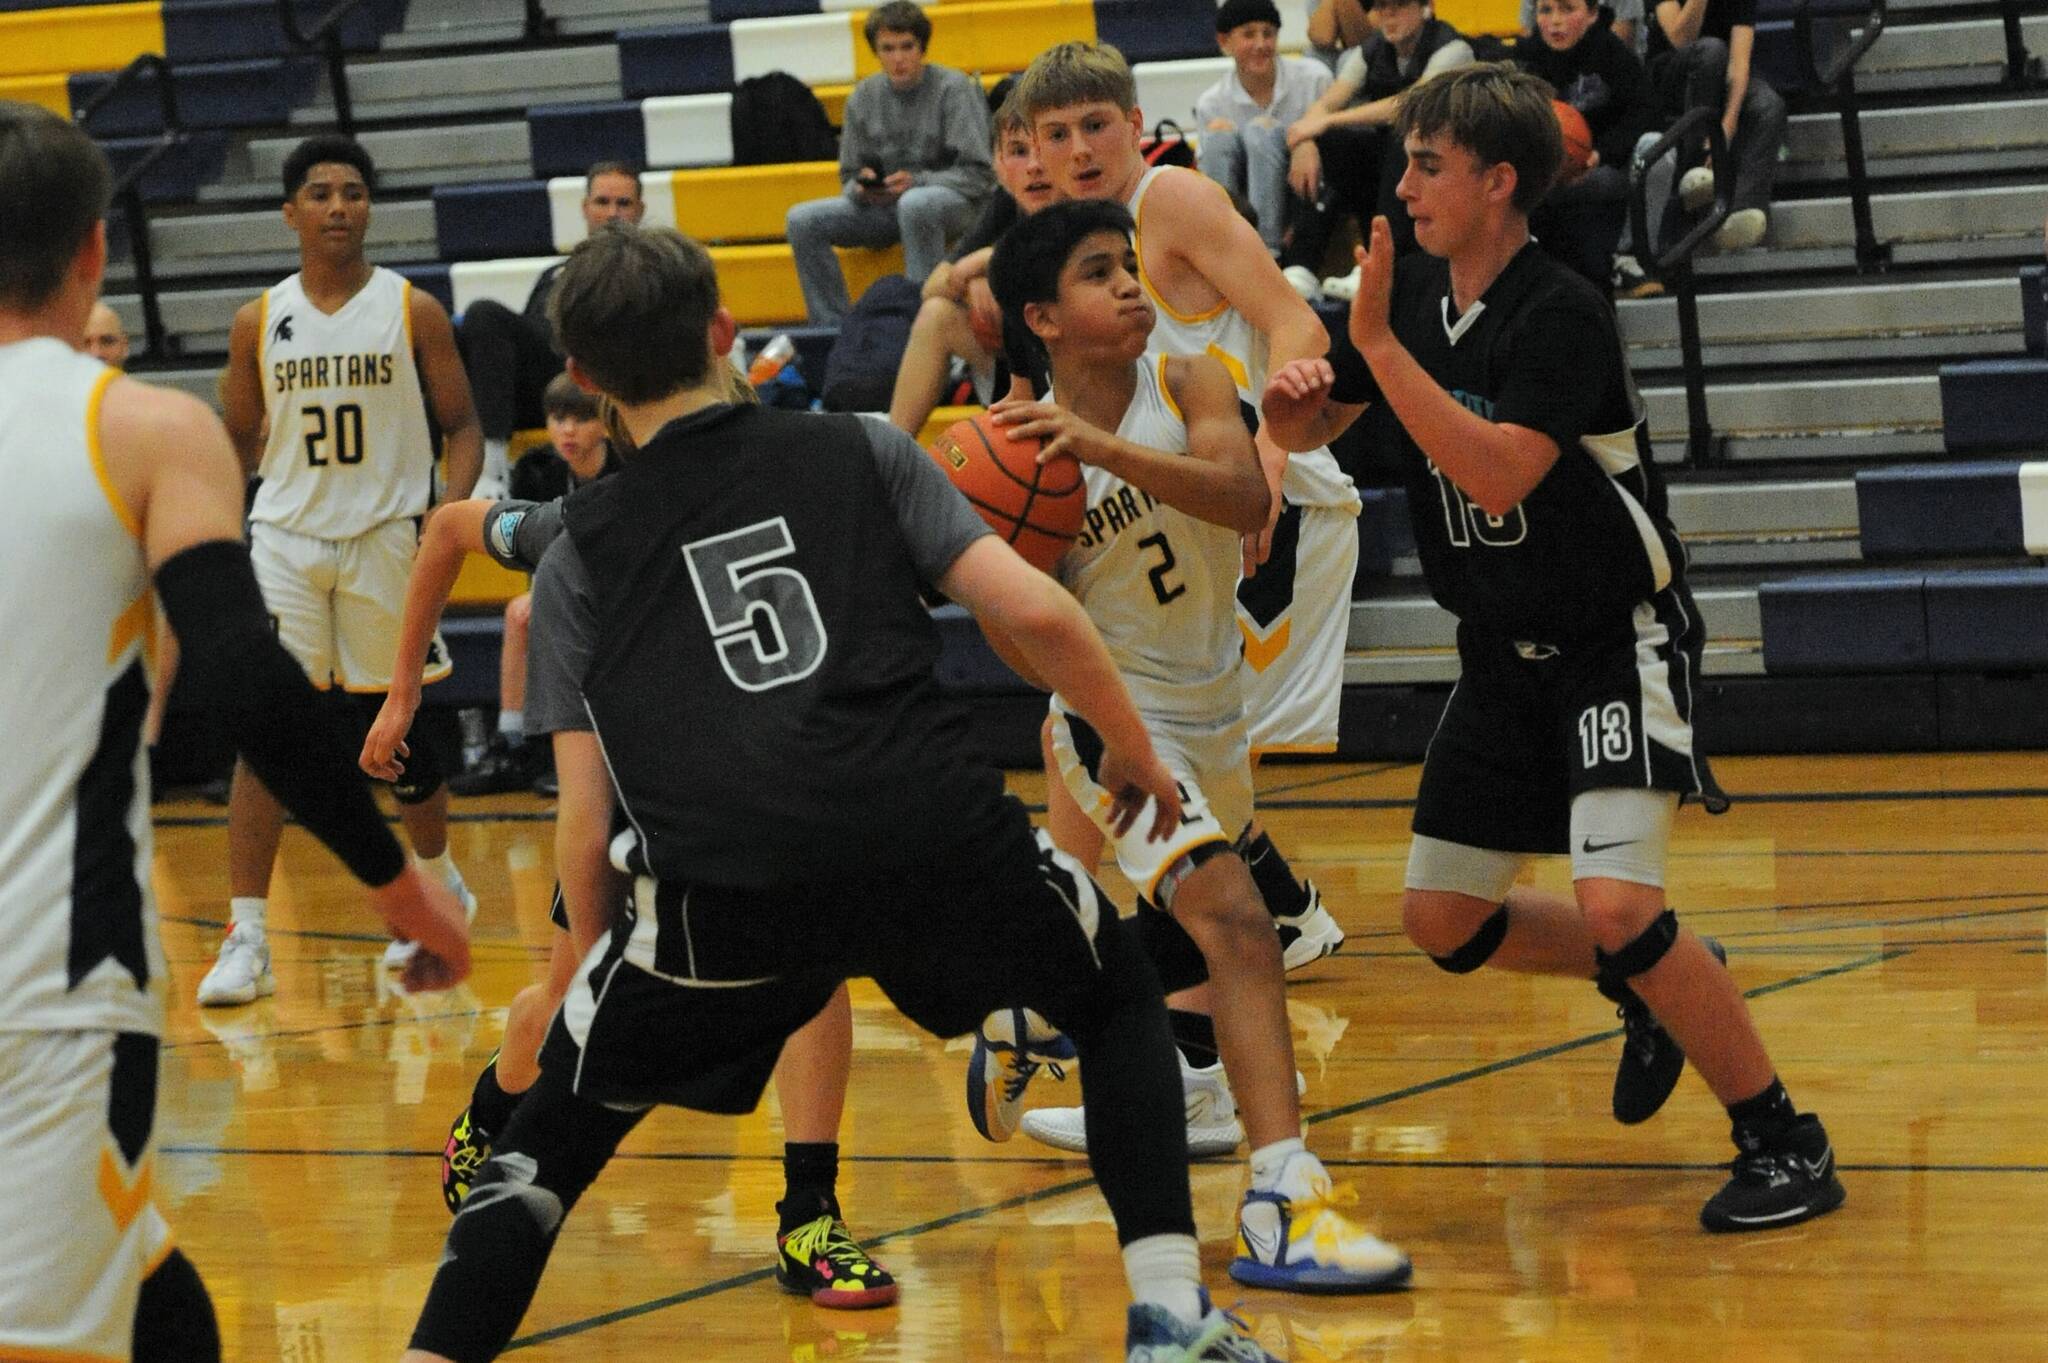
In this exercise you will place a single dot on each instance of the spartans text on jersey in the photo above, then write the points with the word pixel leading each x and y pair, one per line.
pixel 331 371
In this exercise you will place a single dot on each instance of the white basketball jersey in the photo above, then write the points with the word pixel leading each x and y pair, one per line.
pixel 77 918
pixel 1159 584
pixel 1313 478
pixel 348 448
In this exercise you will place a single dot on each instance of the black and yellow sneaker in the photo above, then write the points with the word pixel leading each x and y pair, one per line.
pixel 821 1260
pixel 462 1159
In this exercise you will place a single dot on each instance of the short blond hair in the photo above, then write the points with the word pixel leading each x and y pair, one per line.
pixel 1067 74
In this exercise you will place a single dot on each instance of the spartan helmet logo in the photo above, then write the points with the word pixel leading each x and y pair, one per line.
pixel 282 331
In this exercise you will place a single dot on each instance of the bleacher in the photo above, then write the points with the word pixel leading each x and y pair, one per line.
pixel 1841 396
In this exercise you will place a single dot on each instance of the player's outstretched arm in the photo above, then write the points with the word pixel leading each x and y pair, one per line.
pixel 447 385
pixel 1044 623
pixel 170 466
pixel 583 822
pixel 453 530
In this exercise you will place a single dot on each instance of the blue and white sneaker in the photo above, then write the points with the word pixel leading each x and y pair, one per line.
pixel 1308 1244
pixel 1010 1048
pixel 1155 1335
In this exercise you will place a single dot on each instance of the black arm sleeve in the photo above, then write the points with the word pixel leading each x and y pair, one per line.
pixel 263 699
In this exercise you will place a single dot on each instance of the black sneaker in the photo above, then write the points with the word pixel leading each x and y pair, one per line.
pixel 503 767
pixel 1783 1180
pixel 1651 1059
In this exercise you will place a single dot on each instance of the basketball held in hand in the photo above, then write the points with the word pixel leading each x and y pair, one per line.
pixel 1578 142
pixel 1037 508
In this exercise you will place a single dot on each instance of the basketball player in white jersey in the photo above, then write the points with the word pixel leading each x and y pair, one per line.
pixel 115 487
pixel 1170 494
pixel 327 392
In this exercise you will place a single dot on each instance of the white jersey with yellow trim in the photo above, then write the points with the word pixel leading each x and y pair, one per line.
pixel 77 615
pixel 348 448
pixel 1313 478
pixel 1158 583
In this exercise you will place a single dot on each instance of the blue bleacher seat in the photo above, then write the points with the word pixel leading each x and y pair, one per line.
pixel 432 278
pixel 178 175
pixel 220 30
pixel 247 93
pixel 1157 30
pixel 473 643
pixel 482 222
pixel 1989 405
pixel 1939 510
pixel 1988 618
pixel 2034 308
pixel 1845 622
pixel 725 11
pixel 567 139
pixel 966 662
pixel 681 59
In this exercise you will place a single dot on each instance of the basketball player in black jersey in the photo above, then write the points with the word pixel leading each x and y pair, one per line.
pixel 1541 523
pixel 736 616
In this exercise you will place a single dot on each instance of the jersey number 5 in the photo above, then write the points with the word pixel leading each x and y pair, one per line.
pixel 763 619
pixel 1467 522
pixel 346 430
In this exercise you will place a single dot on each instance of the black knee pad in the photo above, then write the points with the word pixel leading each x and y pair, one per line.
pixel 174 1320
pixel 1640 955
pixel 1166 943
pixel 1480 948
pixel 435 744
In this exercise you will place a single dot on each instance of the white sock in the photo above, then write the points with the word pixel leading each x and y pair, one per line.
pixel 512 724
pixel 249 912
pixel 1271 1172
pixel 497 460
pixel 1166 1271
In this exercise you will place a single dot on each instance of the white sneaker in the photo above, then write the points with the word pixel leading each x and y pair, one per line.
pixel 1343 287
pixel 1305 1243
pixel 1310 935
pixel 1744 228
pixel 1696 188
pixel 241 974
pixel 1304 281
pixel 397 955
pixel 1213 1127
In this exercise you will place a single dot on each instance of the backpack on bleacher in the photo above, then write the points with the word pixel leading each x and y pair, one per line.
pixel 861 374
pixel 776 118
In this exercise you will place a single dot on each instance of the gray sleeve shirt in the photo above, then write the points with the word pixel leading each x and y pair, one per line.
pixel 562 642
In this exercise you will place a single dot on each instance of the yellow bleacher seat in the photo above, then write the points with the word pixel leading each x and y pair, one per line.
pixel 935 425
pixel 748 203
pixel 1500 17
pixel 482 582
pixel 991 35
pixel 52 91
pixel 758 283
pixel 78 38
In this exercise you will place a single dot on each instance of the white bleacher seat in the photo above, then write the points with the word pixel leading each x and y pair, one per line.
pixel 815 48
pixel 1170 89
pixel 688 130
pixel 508 281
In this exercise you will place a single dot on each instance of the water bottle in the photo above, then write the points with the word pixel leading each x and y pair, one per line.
pixel 776 354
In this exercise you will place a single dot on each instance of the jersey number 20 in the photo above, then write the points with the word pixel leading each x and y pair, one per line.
pixel 344 435
pixel 763 619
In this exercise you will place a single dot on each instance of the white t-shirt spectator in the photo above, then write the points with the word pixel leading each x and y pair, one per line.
pixel 1297 83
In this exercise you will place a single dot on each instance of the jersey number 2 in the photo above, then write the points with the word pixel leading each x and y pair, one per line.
pixel 1161 588
pixel 764 620
pixel 346 429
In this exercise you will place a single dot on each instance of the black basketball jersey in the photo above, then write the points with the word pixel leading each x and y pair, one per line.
pixel 762 675
pixel 1539 349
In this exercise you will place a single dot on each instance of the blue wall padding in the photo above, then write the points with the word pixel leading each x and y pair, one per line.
pixel 567 139
pixel 1844 622
pixel 473 644
pixel 1995 405
pixel 1988 618
pixel 433 278
pixel 681 59
pixel 1935 510
pixel 966 662
pixel 725 11
pixel 2034 308
pixel 480 222
pixel 1158 30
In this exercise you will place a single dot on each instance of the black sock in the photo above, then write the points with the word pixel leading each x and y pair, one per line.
pixel 810 1176
pixel 1195 1035
pixel 1767 1114
pixel 1285 896
pixel 490 1107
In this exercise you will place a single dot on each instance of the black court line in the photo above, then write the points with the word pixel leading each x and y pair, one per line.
pixel 1074 1185
pixel 1864 924
pixel 1379 770
pixel 364 1025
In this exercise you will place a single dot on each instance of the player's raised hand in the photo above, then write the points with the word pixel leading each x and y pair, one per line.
pixel 1369 309
pixel 385 743
pixel 419 909
pixel 1135 779
pixel 1293 403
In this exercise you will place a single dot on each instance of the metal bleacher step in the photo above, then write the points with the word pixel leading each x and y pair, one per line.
pixel 407 158
pixel 609 16
pixel 1945 54
pixel 471 83
pixel 447 23
pixel 1974 138
pixel 1871 320
pixel 1925 226
pixel 253 241
pixel 1799 419
pixel 1410 640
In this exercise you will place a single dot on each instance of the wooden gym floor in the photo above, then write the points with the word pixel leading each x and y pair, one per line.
pixel 1886 915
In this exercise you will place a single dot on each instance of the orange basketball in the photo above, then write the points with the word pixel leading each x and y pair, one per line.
pixel 1578 142
pixel 1037 508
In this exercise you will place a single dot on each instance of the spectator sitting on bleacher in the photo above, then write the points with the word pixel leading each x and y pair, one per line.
pixel 511 356
pixel 1580 222
pixel 1625 17
pixel 1337 26
pixel 105 339
pixel 578 454
pixel 1700 55
pixel 959 316
pixel 1358 158
pixel 913 165
pixel 1244 116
